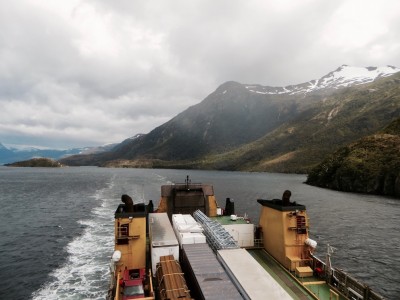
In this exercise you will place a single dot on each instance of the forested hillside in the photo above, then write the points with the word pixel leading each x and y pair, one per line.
pixel 370 165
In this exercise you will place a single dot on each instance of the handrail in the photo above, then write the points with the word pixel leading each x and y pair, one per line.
pixel 117 288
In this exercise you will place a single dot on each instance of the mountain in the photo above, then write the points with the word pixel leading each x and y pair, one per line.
pixel 11 155
pixel 229 117
pixel 369 165
pixel 338 119
pixel 4 149
pixel 6 155
pixel 260 128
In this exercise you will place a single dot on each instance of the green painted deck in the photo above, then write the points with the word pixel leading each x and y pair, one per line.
pixel 312 288
pixel 226 220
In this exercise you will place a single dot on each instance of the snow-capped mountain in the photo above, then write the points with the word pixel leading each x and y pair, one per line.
pixel 344 76
pixel 2 147
pixel 234 128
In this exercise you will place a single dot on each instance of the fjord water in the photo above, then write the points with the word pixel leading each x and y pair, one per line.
pixel 56 225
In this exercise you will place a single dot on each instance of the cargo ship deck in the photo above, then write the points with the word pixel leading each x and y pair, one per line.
pixel 299 288
pixel 192 249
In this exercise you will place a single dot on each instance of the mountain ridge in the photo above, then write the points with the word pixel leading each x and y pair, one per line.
pixel 341 118
pixel 9 155
pixel 237 129
pixel 344 76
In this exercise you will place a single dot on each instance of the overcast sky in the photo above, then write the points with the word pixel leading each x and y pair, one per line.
pixel 81 73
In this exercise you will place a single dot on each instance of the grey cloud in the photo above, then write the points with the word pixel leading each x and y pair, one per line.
pixel 94 72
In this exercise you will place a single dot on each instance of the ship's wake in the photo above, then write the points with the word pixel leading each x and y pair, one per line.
pixel 85 273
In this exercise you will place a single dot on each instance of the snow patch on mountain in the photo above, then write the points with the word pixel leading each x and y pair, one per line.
pixel 344 76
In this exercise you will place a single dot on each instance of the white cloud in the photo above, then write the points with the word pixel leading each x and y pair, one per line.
pixel 356 24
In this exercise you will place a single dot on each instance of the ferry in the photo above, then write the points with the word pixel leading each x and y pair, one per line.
pixel 191 248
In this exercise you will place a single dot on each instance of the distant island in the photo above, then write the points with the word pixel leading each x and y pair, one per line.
pixel 37 162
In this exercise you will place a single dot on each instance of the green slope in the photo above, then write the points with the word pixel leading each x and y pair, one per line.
pixel 370 165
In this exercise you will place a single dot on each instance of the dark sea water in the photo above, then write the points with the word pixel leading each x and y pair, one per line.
pixel 56 225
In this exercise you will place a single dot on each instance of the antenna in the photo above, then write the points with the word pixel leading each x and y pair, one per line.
pixel 329 252
pixel 187 182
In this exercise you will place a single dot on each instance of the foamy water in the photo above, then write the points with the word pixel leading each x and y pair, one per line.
pixel 85 275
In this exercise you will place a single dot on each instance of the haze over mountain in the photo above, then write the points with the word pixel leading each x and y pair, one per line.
pixel 261 128
pixel 11 154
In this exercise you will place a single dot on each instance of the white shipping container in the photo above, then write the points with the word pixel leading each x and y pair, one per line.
pixel 162 238
pixel 243 234
pixel 247 273
pixel 199 238
pixel 187 230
